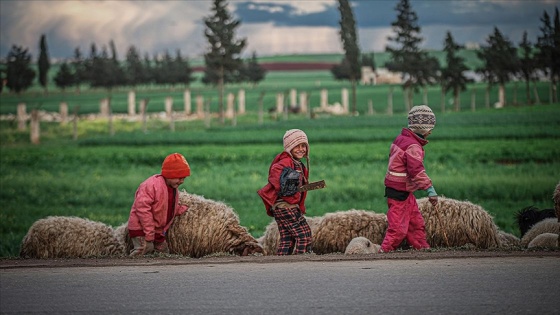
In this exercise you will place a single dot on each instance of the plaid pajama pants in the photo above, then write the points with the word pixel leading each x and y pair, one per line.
pixel 295 233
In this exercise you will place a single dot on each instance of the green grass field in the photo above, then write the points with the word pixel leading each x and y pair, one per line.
pixel 503 160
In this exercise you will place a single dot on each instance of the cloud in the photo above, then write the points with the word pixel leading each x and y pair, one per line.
pixel 270 26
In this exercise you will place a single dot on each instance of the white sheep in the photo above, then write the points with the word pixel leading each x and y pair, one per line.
pixel 209 227
pixel 69 237
pixel 336 230
pixel 361 245
pixel 550 225
pixel 271 237
pixel 461 221
pixel 332 232
pixel 508 239
pixel 548 240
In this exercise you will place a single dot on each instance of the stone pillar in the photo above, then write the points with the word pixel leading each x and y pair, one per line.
pixel 303 102
pixel 241 101
pixel 345 100
pixel 104 107
pixel 200 106
pixel 168 106
pixel 230 105
pixel 131 103
pixel 144 112
pixel 21 116
pixel 279 102
pixel 63 113
pixel 293 98
pixel 324 98
pixel 35 127
pixel 187 101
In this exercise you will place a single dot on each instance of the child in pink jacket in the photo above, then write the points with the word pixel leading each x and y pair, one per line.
pixel 155 205
pixel 406 174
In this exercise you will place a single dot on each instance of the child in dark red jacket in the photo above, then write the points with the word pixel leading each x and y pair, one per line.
pixel 406 174
pixel 281 198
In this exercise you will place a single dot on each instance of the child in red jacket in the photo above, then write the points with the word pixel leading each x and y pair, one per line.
pixel 155 205
pixel 406 174
pixel 281 197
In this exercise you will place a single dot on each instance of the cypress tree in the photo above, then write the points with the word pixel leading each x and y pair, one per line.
pixel 43 63
pixel 223 62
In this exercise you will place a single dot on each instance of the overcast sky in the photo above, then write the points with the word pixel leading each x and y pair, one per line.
pixel 271 27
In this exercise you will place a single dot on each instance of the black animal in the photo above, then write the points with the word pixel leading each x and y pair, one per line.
pixel 527 217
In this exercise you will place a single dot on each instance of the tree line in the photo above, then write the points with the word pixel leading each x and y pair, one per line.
pixel 502 60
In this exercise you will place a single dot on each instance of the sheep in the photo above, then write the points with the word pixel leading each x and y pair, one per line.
pixel 332 232
pixel 461 221
pixel 271 237
pixel 527 217
pixel 549 240
pixel 550 225
pixel 508 239
pixel 209 227
pixel 70 237
pixel 361 245
pixel 337 229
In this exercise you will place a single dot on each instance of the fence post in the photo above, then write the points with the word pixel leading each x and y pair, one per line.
pixel 345 100
pixel 324 98
pixel 303 102
pixel 35 127
pixel 63 113
pixel 131 103
pixel 21 116
pixel 144 109
pixel 200 112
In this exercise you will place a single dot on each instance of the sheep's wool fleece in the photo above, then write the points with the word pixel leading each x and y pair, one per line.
pixel 337 229
pixel 548 240
pixel 208 227
pixel 463 222
pixel 361 245
pixel 550 225
pixel 508 239
pixel 271 237
pixel 70 237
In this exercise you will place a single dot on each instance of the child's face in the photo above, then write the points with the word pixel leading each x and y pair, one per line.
pixel 299 151
pixel 174 182
pixel 427 134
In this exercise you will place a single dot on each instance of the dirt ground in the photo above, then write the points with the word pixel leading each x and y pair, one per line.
pixel 7 263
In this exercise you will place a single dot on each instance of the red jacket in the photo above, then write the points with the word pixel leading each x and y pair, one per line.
pixel 149 210
pixel 269 193
pixel 406 170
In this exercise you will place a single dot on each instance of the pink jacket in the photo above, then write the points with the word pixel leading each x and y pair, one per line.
pixel 406 170
pixel 149 210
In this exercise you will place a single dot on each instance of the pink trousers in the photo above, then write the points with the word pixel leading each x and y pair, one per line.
pixel 405 221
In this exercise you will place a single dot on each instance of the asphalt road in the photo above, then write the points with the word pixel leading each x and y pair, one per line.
pixel 500 285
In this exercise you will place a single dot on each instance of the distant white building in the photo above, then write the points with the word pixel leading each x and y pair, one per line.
pixel 380 76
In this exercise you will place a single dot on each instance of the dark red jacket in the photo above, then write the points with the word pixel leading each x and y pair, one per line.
pixel 269 193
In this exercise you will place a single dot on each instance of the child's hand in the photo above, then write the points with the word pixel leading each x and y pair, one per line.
pixel 433 200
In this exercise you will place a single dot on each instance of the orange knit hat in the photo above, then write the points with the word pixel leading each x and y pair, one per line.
pixel 175 166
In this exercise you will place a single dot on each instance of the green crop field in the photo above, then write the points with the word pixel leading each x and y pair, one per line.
pixel 502 159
